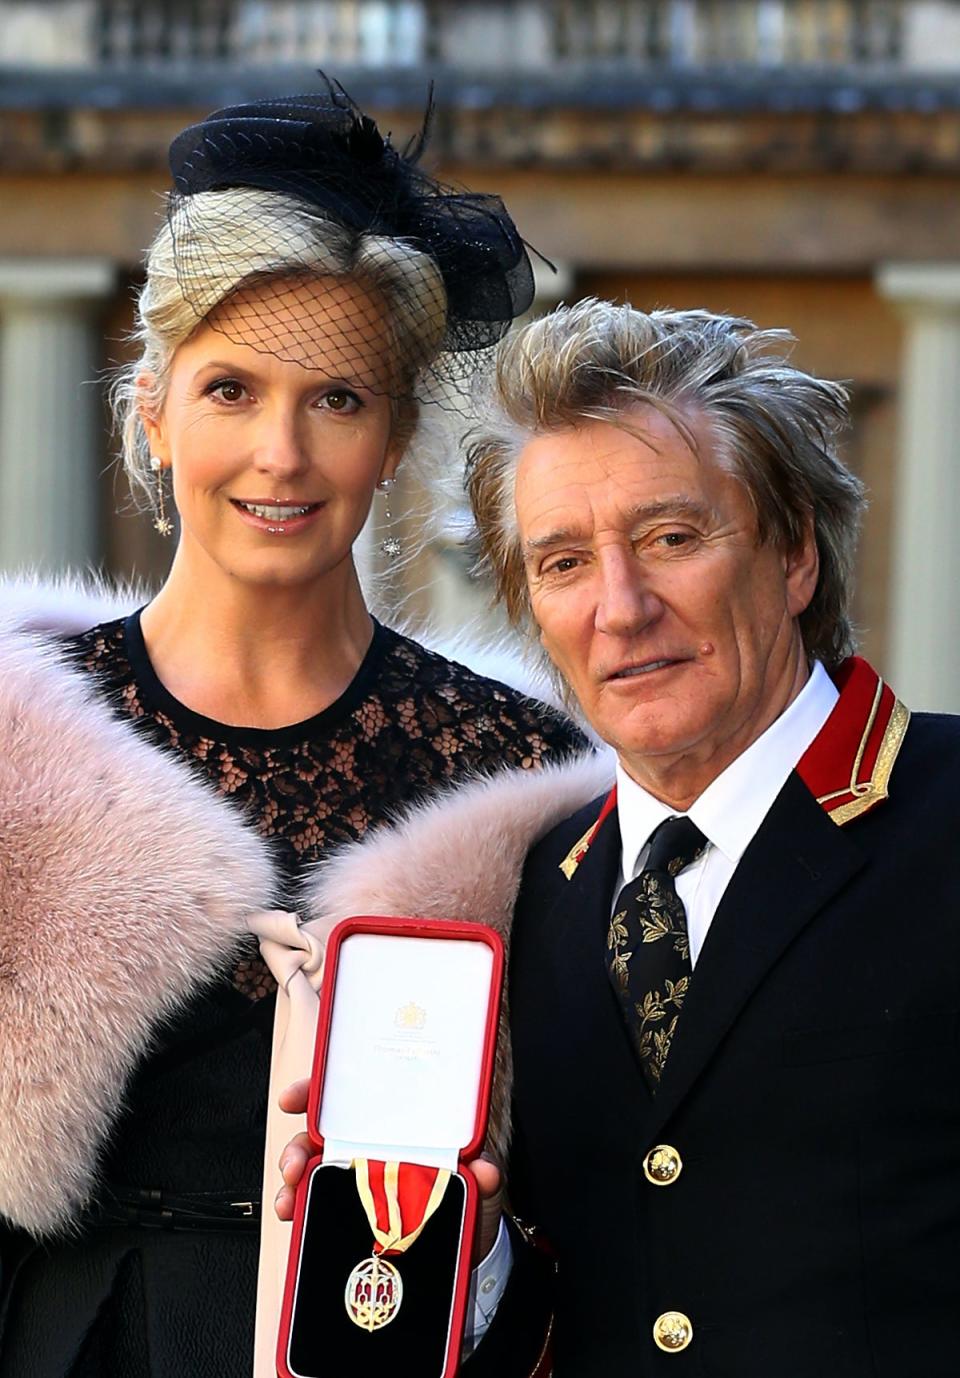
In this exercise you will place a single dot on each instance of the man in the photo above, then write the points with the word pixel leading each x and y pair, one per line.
pixel 735 1036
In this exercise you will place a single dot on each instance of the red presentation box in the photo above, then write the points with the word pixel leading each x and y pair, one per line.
pixel 401 1081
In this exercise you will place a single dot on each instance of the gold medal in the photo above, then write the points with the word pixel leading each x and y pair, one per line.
pixel 398 1200
pixel 374 1293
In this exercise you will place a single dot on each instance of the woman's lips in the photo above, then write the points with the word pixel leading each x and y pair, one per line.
pixel 277 519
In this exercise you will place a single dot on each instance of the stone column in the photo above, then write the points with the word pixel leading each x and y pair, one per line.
pixel 924 657
pixel 50 411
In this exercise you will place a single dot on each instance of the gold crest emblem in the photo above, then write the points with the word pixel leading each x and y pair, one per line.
pixel 410 1016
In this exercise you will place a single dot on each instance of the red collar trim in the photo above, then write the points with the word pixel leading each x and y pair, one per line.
pixel 580 848
pixel 848 764
pixel 846 767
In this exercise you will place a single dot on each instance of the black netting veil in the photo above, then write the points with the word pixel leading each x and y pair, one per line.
pixel 311 179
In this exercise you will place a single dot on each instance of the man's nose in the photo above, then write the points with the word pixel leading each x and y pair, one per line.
pixel 627 601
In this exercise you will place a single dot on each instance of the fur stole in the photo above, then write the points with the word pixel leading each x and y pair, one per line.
pixel 100 936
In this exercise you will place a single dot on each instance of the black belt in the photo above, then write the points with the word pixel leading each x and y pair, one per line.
pixel 151 1209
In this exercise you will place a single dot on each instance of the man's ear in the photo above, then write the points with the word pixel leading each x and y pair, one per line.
pixel 151 418
pixel 802 569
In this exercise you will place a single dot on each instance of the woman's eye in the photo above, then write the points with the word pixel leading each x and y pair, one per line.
pixel 227 390
pixel 341 400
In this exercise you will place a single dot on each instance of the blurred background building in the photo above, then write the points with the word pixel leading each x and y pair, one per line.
pixel 795 161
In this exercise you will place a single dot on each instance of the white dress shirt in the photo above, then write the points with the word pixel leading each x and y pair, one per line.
pixel 487 1285
pixel 729 811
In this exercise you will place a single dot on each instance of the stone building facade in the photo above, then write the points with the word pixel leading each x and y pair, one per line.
pixel 795 161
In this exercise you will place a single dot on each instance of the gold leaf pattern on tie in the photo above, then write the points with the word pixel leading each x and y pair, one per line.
pixel 651 1009
pixel 652 988
pixel 619 960
pixel 665 926
pixel 653 891
pixel 656 927
pixel 620 967
pixel 618 931
pixel 676 990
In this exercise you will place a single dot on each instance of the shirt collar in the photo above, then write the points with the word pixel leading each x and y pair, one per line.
pixel 732 807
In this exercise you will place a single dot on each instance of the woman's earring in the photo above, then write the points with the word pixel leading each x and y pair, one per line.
pixel 161 521
pixel 390 545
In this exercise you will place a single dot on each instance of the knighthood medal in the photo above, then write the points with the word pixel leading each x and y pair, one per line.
pixel 398 1199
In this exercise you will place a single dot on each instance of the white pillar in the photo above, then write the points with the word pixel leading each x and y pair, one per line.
pixel 49 410
pixel 931 35
pixel 924 655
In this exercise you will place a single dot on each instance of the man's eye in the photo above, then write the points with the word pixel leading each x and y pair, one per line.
pixel 562 566
pixel 673 539
pixel 227 390
pixel 341 400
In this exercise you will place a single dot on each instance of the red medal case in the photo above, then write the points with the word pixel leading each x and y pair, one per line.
pixel 402 1071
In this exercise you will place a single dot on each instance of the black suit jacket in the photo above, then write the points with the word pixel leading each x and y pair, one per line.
pixel 811 1093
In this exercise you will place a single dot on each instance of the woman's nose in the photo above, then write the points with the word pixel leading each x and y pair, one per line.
pixel 280 452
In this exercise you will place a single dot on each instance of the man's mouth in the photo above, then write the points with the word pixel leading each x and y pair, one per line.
pixel 647 668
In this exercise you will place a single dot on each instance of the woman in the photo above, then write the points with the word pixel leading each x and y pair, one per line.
pixel 308 289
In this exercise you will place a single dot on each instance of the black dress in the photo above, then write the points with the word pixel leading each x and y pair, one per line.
pixel 160 1281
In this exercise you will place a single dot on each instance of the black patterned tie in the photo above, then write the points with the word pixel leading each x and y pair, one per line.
pixel 649 951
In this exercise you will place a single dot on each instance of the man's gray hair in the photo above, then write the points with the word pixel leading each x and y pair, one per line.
pixel 777 426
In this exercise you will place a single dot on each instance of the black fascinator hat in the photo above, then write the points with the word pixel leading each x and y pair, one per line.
pixel 352 206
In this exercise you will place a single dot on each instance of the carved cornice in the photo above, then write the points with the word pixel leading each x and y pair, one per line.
pixel 687 122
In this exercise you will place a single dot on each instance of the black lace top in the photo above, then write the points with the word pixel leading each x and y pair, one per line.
pixel 409 722
pixel 191 1130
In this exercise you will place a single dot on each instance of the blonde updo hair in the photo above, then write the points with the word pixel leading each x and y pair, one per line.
pixel 218 241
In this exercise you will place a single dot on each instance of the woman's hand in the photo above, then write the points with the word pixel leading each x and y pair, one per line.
pixel 299 1151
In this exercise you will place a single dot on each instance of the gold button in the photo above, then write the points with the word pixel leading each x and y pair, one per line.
pixel 672 1331
pixel 662 1165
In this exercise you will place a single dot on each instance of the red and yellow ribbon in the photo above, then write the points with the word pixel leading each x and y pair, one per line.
pixel 399 1199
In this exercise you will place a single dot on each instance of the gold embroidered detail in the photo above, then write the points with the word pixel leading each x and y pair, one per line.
pixel 855 787
pixel 575 855
pixel 867 793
